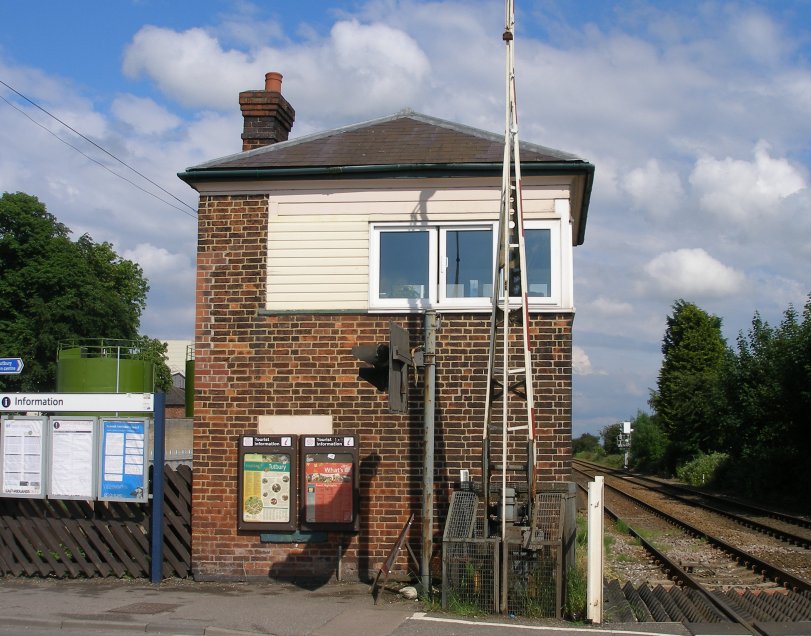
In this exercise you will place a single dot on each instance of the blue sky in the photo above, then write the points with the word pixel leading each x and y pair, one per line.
pixel 696 115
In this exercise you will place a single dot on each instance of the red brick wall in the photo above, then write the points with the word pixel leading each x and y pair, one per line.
pixel 175 411
pixel 249 364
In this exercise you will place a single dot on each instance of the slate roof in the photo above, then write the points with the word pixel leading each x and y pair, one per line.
pixel 407 144
pixel 407 138
pixel 175 396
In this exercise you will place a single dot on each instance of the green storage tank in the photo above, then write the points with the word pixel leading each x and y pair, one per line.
pixel 103 366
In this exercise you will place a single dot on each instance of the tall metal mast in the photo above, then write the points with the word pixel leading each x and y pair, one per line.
pixel 509 344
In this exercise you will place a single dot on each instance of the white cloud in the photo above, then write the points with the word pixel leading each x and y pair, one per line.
pixel 632 387
pixel 758 35
pixel 379 56
pixel 654 190
pixel 383 64
pixel 796 86
pixel 693 272
pixel 581 365
pixel 144 115
pixel 170 275
pixel 190 67
pixel 64 189
pixel 160 262
pixel 745 190
pixel 610 307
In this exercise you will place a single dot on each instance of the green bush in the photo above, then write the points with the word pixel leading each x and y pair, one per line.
pixel 648 444
pixel 702 470
pixel 613 461
pixel 586 443
pixel 595 455
pixel 780 476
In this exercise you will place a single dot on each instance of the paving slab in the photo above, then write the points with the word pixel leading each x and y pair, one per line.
pixel 188 608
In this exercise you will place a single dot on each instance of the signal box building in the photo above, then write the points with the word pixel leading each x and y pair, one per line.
pixel 308 247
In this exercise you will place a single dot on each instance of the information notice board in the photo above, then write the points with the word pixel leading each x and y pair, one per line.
pixel 123 459
pixel 22 443
pixel 72 458
pixel 329 483
pixel 267 482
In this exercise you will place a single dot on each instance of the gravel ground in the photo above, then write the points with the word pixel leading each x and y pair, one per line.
pixel 626 560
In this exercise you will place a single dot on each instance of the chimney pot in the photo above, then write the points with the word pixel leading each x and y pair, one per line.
pixel 273 82
pixel 267 115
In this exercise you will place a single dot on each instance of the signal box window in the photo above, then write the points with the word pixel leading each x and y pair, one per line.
pixel 538 251
pixel 451 266
pixel 466 264
pixel 404 262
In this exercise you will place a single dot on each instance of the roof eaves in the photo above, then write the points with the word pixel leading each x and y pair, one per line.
pixel 579 167
pixel 402 170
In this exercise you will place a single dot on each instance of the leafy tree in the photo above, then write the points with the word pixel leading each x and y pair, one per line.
pixel 155 350
pixel 586 443
pixel 610 434
pixel 53 289
pixel 768 386
pixel 648 443
pixel 689 397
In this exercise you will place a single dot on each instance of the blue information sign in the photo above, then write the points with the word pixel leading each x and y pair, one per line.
pixel 123 460
pixel 11 366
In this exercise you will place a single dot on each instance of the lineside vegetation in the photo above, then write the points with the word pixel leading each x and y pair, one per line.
pixel 732 417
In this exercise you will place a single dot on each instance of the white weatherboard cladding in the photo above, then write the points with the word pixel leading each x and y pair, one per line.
pixel 318 240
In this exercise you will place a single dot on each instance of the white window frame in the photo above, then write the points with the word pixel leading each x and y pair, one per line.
pixel 437 268
pixel 466 302
pixel 555 272
pixel 374 268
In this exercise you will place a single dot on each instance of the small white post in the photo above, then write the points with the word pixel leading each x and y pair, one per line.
pixel 594 576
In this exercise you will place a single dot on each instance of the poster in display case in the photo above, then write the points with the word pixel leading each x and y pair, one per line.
pixel 22 444
pixel 123 459
pixel 267 497
pixel 329 483
pixel 72 458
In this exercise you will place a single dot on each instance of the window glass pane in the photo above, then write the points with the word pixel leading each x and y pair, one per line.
pixel 404 264
pixel 539 261
pixel 469 270
pixel 538 245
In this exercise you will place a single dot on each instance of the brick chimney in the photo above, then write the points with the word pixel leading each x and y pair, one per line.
pixel 268 116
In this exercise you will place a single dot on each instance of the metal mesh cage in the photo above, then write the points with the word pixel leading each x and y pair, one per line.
pixel 470 575
pixel 533 571
pixel 548 517
pixel 523 573
pixel 461 515
pixel 469 565
pixel 533 578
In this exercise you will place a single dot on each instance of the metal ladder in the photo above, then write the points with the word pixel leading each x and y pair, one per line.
pixel 510 311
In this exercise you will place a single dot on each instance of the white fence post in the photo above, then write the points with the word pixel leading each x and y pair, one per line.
pixel 594 610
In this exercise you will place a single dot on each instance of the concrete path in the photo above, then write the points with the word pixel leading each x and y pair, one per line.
pixel 33 606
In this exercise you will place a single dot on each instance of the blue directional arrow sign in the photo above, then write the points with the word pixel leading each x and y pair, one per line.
pixel 11 366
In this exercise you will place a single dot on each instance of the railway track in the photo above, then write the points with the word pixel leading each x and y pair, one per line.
pixel 790 528
pixel 717 580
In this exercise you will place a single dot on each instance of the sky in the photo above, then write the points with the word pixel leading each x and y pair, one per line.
pixel 696 115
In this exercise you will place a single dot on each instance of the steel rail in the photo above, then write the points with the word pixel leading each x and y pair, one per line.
pixel 795 520
pixel 673 489
pixel 676 573
pixel 756 564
